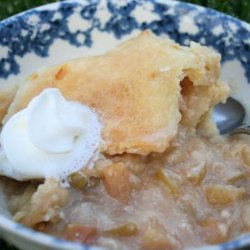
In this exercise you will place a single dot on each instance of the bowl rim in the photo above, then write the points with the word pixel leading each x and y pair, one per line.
pixel 167 2
pixel 8 225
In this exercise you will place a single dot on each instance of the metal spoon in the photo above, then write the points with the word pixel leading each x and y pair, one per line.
pixel 229 117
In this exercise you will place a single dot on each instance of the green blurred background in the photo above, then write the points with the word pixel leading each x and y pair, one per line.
pixel 237 8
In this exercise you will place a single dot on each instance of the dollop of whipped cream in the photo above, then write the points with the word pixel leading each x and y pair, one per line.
pixel 52 137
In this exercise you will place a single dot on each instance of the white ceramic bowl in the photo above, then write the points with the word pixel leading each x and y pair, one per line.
pixel 65 30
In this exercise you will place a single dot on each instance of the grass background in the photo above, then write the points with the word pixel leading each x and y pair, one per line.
pixel 237 8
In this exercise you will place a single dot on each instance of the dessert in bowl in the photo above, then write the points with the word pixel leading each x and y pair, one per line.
pixel 119 150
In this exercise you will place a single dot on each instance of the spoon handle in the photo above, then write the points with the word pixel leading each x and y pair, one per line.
pixel 245 129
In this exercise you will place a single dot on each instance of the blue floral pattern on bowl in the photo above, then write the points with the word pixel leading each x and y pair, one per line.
pixel 36 30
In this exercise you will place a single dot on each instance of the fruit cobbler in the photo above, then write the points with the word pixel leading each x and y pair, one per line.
pixel 120 150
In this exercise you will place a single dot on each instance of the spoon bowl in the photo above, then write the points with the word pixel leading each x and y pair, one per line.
pixel 229 115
